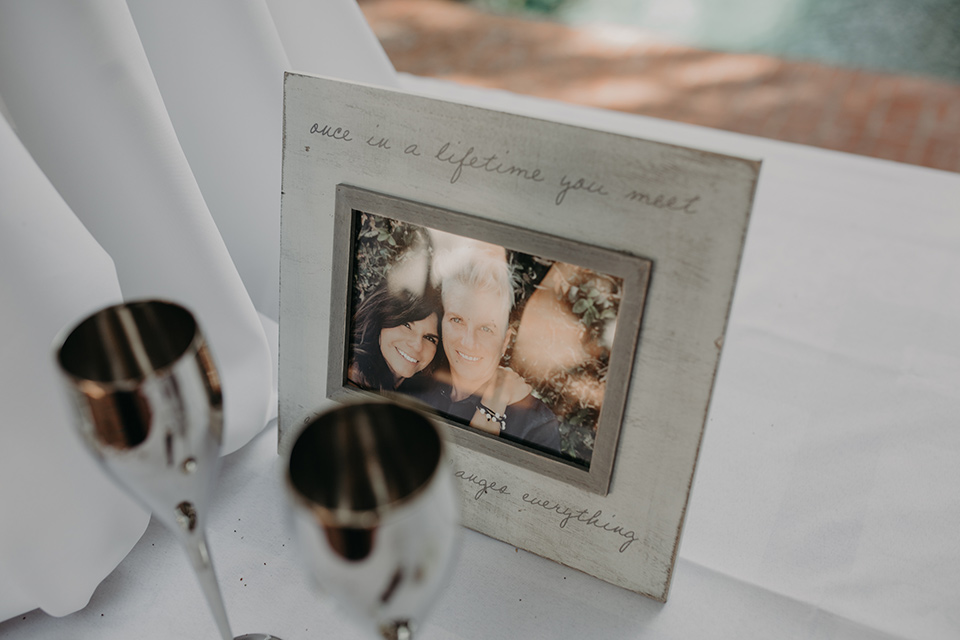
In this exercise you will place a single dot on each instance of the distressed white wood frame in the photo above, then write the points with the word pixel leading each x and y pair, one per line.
pixel 634 273
pixel 685 210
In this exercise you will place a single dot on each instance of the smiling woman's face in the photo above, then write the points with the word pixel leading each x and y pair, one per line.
pixel 474 335
pixel 410 347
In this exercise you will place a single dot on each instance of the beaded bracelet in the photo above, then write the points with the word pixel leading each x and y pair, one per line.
pixel 493 416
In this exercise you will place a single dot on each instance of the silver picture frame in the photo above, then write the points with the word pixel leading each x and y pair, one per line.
pixel 632 271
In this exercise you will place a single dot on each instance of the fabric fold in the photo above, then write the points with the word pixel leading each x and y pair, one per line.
pixel 65 525
pixel 145 163
pixel 77 83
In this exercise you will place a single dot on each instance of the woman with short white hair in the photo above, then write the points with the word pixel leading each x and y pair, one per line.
pixel 477 291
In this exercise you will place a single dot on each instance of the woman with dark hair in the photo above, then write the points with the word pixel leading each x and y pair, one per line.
pixel 395 336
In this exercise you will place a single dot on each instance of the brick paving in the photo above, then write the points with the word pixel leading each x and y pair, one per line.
pixel 903 118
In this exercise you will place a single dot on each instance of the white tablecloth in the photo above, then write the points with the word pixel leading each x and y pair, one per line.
pixel 139 157
pixel 827 499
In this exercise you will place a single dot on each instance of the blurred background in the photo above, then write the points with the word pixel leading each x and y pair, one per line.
pixel 877 78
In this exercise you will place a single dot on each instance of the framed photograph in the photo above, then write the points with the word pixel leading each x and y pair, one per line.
pixel 554 296
pixel 449 310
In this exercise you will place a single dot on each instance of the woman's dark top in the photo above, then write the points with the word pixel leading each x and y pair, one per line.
pixel 529 421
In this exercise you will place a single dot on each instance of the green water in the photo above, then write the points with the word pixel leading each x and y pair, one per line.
pixel 920 37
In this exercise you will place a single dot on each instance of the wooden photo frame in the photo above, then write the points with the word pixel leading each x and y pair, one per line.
pixel 665 224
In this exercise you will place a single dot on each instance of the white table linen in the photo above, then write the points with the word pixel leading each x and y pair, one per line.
pixel 830 468
pixel 64 526
pixel 153 131
pixel 825 504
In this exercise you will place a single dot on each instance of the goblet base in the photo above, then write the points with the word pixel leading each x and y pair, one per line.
pixel 256 636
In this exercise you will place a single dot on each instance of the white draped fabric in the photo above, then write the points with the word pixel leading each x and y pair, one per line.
pixel 139 157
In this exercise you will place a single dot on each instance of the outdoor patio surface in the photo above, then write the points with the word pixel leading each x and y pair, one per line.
pixel 908 119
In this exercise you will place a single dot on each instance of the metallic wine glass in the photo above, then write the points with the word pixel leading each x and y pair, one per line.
pixel 373 507
pixel 150 410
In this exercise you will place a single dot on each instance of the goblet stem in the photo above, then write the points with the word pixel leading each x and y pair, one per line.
pixel 199 555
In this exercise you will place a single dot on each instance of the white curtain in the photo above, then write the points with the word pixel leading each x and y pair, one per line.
pixel 140 156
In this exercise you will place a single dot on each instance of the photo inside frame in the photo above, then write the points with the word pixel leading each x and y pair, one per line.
pixel 495 340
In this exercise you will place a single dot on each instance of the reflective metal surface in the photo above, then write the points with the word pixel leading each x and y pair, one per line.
pixel 150 409
pixel 374 511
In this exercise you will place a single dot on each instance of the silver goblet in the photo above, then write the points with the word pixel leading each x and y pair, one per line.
pixel 373 509
pixel 150 410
